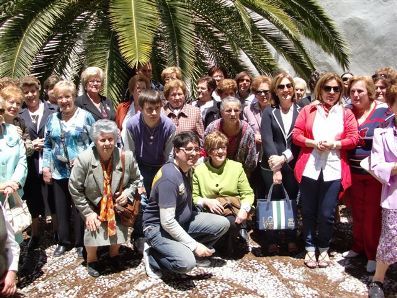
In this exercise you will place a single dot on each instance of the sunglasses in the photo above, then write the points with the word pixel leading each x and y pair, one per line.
pixel 2 111
pixel 336 89
pixel 282 86
pixel 260 92
pixel 345 79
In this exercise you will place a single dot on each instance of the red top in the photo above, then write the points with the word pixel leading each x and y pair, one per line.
pixel 121 112
pixel 304 130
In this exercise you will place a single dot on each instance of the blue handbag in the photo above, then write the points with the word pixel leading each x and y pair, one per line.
pixel 276 215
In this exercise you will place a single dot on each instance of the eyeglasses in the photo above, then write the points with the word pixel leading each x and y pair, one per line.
pixel 282 86
pixel 345 79
pixel 264 92
pixel 300 89
pixel 2 111
pixel 190 150
pixel 217 148
pixel 336 89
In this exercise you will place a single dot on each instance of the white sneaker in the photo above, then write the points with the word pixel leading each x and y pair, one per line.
pixel 350 254
pixel 150 272
pixel 203 262
pixel 371 266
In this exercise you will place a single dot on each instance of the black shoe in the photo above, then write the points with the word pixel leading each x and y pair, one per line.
pixel 93 269
pixel 59 250
pixel 80 252
pixel 243 233
pixel 115 263
pixel 375 290
pixel 34 243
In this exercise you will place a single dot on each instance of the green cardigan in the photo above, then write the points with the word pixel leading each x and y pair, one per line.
pixel 228 180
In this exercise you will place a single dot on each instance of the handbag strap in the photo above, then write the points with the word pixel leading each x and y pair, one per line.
pixel 122 158
pixel 269 195
pixel 65 149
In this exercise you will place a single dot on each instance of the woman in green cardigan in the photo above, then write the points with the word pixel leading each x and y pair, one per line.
pixel 222 177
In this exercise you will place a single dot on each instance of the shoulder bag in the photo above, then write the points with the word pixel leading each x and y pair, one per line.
pixel 129 212
pixel 276 215
pixel 18 216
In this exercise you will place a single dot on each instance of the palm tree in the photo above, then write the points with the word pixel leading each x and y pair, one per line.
pixel 64 36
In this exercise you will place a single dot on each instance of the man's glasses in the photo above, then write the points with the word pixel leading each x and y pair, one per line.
pixel 336 89
pixel 282 86
pixel 262 92
pixel 189 150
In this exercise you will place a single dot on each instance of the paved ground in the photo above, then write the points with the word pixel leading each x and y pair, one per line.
pixel 254 275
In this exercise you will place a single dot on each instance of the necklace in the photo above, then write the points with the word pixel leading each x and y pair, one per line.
pixel 151 132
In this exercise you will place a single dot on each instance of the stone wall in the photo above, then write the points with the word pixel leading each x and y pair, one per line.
pixel 369 26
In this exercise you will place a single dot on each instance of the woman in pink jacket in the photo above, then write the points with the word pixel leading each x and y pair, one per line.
pixel 324 131
pixel 384 165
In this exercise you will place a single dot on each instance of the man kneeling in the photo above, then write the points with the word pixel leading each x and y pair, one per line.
pixel 178 237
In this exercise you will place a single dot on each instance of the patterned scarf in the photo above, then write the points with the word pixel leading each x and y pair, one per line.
pixel 107 208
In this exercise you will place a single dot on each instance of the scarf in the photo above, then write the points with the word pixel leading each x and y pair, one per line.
pixel 107 209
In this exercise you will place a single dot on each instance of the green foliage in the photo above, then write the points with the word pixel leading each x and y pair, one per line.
pixel 42 37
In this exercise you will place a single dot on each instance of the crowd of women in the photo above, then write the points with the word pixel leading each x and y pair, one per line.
pixel 77 158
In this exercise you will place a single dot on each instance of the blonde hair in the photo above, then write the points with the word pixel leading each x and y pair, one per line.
pixel 65 85
pixel 170 70
pixel 172 85
pixel 90 72
pixel 12 92
pixel 226 85
pixel 215 139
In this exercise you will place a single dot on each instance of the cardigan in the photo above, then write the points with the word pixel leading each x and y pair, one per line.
pixel 227 180
pixel 304 130
pixel 383 158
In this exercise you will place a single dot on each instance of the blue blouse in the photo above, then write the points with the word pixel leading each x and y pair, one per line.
pixel 76 139
pixel 12 157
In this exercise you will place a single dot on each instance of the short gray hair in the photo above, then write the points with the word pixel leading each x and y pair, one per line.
pixel 104 126
pixel 229 99
pixel 300 81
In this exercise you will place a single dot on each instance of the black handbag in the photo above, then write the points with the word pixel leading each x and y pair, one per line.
pixel 276 215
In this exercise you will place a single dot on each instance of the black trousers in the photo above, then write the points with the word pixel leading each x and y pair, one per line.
pixel 66 211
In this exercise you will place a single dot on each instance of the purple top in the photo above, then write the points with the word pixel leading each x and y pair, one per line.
pixel 383 158
pixel 151 146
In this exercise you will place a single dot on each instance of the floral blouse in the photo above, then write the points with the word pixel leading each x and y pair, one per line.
pixel 75 140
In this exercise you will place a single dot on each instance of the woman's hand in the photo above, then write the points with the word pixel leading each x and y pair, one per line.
pixel 38 144
pixel 8 190
pixel 214 206
pixel 121 199
pixel 92 222
pixel 276 162
pixel 277 177
pixel 241 216
pixel 258 138
pixel 47 176
pixel 10 286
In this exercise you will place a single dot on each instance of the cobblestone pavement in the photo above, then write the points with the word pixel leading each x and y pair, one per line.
pixel 254 275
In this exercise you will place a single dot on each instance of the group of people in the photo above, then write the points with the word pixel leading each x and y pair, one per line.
pixel 198 166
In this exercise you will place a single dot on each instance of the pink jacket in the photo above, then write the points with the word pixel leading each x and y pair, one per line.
pixel 383 157
pixel 304 130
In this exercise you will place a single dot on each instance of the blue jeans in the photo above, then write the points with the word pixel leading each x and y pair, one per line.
pixel 148 172
pixel 319 200
pixel 170 255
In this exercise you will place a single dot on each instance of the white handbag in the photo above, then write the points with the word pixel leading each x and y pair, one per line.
pixel 18 216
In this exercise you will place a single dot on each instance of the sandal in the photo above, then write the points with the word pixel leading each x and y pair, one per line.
pixel 323 260
pixel 310 260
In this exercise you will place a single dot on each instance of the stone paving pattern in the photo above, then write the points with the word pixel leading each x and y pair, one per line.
pixel 253 275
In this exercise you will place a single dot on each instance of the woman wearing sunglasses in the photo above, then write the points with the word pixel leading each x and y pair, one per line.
pixel 324 131
pixel 364 194
pixel 279 154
